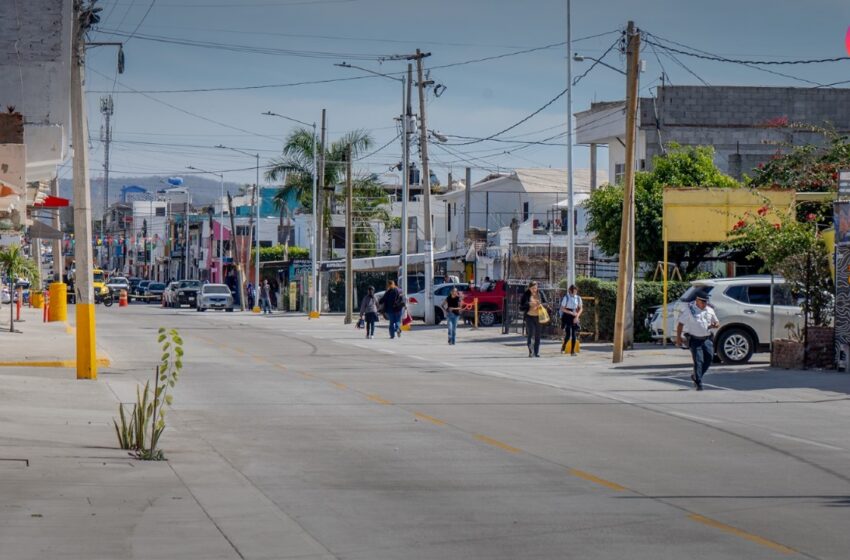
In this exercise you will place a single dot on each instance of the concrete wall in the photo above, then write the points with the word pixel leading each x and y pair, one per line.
pixel 749 121
pixel 35 57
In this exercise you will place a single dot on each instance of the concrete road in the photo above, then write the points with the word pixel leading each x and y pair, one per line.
pixel 292 438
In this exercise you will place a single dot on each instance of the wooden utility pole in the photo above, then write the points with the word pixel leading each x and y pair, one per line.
pixel 625 281
pixel 349 238
pixel 426 191
pixel 234 256
pixel 83 274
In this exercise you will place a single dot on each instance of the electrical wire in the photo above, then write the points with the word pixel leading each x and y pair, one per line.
pixel 141 21
pixel 388 144
pixel 707 56
pixel 596 62
pixel 746 64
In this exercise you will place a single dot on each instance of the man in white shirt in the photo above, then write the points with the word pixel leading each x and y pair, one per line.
pixel 698 319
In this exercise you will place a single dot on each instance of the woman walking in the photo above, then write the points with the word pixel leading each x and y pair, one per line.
pixel 369 312
pixel 393 306
pixel 451 305
pixel 532 306
pixel 571 309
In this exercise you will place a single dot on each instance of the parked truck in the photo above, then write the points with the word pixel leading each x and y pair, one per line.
pixel 491 303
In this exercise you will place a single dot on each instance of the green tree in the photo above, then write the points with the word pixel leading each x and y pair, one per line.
pixel 296 163
pixel 679 167
pixel 371 204
pixel 15 265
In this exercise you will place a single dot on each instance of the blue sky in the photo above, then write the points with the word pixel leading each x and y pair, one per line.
pixel 480 99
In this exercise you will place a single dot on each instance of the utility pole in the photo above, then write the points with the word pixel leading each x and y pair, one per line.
pixel 467 201
pixel 349 238
pixel 83 279
pixel 314 269
pixel 240 278
pixel 571 234
pixel 257 283
pixel 406 115
pixel 106 109
pixel 319 203
pixel 625 282
pixel 426 192
pixel 58 258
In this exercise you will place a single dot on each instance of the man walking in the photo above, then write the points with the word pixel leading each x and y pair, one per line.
pixel 698 319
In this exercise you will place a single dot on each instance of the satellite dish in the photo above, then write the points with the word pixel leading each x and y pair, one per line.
pixel 175 181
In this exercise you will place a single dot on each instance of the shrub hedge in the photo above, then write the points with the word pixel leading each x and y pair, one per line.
pixel 647 295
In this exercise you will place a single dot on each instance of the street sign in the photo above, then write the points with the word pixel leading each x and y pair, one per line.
pixel 844 183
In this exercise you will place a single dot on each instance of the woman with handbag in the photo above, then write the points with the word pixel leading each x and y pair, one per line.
pixel 534 311
pixel 393 305
pixel 369 312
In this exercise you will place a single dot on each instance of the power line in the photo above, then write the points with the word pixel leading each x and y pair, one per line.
pixel 397 136
pixel 141 21
pixel 596 62
pixel 748 65
pixel 333 80
pixel 736 61
pixel 246 48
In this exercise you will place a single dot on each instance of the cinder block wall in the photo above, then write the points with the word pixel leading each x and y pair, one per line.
pixel 745 120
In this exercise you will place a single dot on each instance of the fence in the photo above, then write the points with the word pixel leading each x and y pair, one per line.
pixel 514 322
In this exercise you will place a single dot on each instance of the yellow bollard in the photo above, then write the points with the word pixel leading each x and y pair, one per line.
pixel 36 300
pixel 58 310
pixel 475 312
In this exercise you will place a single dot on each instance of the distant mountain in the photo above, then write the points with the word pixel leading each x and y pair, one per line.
pixel 204 191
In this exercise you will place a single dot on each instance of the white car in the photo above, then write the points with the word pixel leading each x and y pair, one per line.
pixel 742 306
pixel 118 283
pixel 416 302
pixel 215 296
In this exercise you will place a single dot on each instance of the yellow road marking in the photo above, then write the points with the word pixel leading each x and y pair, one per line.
pixel 743 534
pixel 435 421
pixel 259 360
pixel 601 481
pixel 52 363
pixel 377 399
pixel 338 385
pixel 497 443
pixel 281 366
pixel 306 375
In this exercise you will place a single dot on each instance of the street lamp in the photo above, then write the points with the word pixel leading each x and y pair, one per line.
pixel 257 244
pixel 314 241
pixel 220 220
pixel 581 58
pixel 405 189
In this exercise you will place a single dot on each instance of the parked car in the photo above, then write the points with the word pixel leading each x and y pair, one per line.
pixel 140 288
pixel 169 295
pixel 187 293
pixel 416 301
pixel 117 283
pixel 214 296
pixel 491 303
pixel 134 283
pixel 742 306
pixel 156 290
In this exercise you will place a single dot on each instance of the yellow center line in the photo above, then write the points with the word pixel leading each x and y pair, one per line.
pixel 425 417
pixel 497 443
pixel 306 375
pixel 338 385
pixel 259 360
pixel 595 479
pixel 743 534
pixel 377 399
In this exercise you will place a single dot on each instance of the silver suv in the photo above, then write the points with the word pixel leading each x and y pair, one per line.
pixel 742 305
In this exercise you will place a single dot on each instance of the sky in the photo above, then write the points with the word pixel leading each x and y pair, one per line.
pixel 272 42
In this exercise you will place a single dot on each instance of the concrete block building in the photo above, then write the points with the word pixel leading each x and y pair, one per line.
pixel 745 125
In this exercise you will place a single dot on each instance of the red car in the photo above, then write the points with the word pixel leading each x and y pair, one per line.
pixel 491 303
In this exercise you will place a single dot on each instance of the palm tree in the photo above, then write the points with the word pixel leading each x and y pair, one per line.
pixel 296 165
pixel 15 265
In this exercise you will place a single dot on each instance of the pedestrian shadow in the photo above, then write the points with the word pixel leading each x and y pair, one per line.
pixel 760 379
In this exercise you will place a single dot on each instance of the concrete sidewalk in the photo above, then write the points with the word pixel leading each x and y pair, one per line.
pixel 39 344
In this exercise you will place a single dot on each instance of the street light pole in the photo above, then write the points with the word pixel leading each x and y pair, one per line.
pixel 571 235
pixel 314 265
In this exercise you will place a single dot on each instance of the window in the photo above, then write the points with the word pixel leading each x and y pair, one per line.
pixel 691 293
pixel 738 293
pixel 525 212
pixel 782 295
pixel 759 295
pixel 619 172
pixel 160 211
